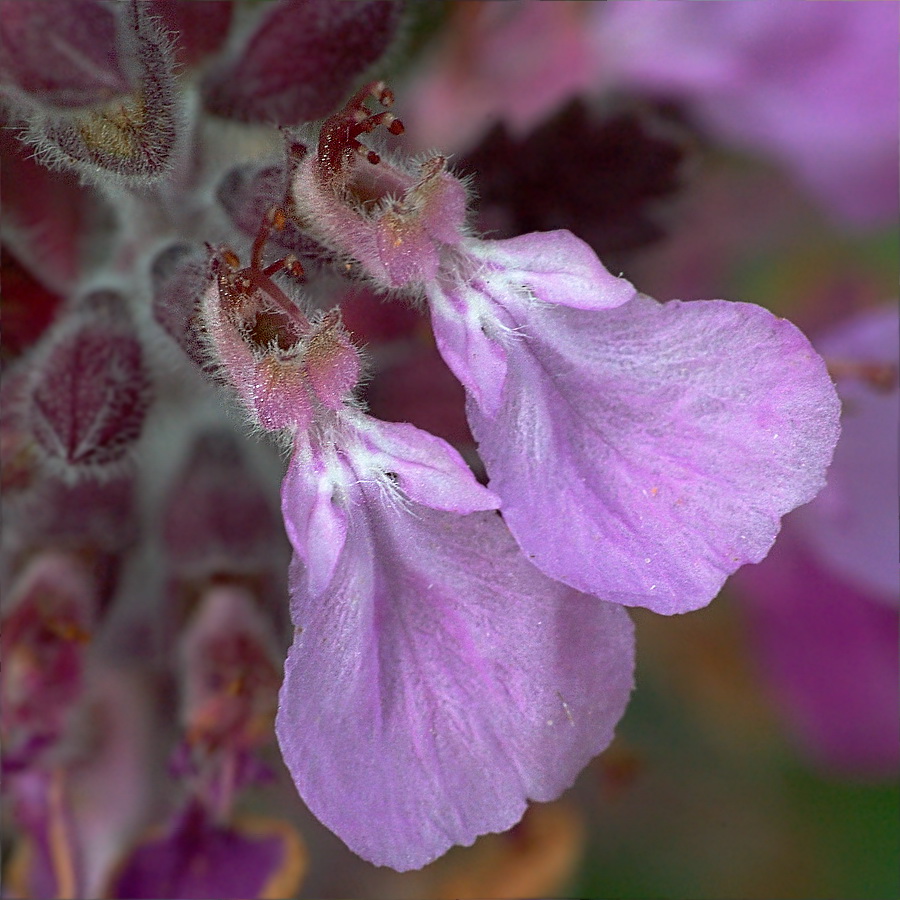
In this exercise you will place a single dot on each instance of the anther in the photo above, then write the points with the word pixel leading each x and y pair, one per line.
pixel 294 267
pixel 338 139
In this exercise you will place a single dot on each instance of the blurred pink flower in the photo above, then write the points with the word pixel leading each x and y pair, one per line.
pixel 812 84
pixel 509 62
pixel 823 606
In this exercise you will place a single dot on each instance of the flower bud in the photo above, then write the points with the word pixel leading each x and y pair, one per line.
pixel 217 517
pixel 132 137
pixel 302 59
pixel 89 390
pixel 179 275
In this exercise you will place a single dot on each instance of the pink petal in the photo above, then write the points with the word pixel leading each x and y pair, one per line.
pixel 645 453
pixel 474 314
pixel 469 336
pixel 315 515
pixel 556 266
pixel 441 681
pixel 427 469
pixel 317 489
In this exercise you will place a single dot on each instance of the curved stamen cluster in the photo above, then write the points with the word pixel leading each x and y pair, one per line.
pixel 338 140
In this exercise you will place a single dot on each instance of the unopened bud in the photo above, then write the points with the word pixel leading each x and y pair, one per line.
pixel 302 60
pixel 179 276
pixel 89 390
pixel 132 137
pixel 61 54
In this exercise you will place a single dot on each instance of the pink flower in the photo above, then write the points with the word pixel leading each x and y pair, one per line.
pixel 282 364
pixel 814 85
pixel 642 452
pixel 437 680
pixel 509 62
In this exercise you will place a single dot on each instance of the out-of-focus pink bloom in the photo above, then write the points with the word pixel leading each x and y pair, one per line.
pixel 509 62
pixel 108 773
pixel 73 733
pixel 52 612
pixel 197 857
pixel 852 526
pixel 813 84
pixel 230 676
pixel 828 652
pixel 823 605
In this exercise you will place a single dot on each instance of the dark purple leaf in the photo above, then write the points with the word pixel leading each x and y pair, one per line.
pixel 602 178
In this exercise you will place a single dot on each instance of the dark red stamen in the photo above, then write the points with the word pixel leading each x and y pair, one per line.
pixel 338 140
pixel 238 285
pixel 880 376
